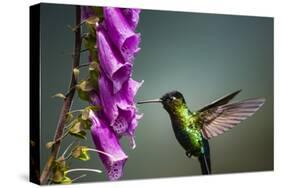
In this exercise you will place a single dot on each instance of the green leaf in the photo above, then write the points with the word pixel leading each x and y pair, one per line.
pixel 90 41
pixel 94 66
pixel 94 74
pixel 85 114
pixel 66 180
pixel 50 144
pixel 83 89
pixel 77 130
pixel 83 95
pixel 86 111
pixel 94 77
pixel 94 54
pixel 94 107
pixel 59 168
pixel 81 152
pixel 68 117
pixel 60 95
pixel 86 85
pixel 98 11
pixel 58 176
pixel 92 30
pixel 83 118
pixel 60 164
pixel 87 124
pixel 81 134
pixel 76 73
pixel 92 20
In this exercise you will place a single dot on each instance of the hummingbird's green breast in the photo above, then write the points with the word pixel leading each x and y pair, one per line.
pixel 187 129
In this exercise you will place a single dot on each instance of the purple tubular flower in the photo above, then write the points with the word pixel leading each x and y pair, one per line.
pixel 117 45
pixel 118 106
pixel 122 35
pixel 132 16
pixel 111 61
pixel 105 140
pixel 132 128
pixel 86 12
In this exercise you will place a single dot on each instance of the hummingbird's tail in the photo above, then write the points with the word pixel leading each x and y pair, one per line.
pixel 204 159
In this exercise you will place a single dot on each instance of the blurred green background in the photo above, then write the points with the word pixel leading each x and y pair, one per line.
pixel 204 56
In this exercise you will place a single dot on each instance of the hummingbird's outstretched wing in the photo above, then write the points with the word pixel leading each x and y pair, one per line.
pixel 221 101
pixel 218 119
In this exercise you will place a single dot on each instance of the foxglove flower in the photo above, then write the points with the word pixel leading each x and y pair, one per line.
pixel 132 16
pixel 119 108
pixel 122 35
pixel 117 45
pixel 111 61
pixel 106 141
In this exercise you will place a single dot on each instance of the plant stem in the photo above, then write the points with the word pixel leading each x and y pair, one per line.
pixel 67 102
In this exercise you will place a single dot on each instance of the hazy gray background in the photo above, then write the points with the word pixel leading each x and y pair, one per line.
pixel 204 56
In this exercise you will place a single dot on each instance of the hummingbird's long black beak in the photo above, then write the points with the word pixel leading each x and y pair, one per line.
pixel 150 101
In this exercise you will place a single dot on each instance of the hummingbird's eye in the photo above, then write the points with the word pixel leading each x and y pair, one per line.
pixel 173 98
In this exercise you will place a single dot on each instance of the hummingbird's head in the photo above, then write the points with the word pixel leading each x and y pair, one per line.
pixel 170 100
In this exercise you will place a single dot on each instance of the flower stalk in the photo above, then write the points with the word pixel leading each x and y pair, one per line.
pixel 108 88
pixel 67 103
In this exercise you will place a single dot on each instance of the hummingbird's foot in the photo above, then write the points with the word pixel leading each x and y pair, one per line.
pixel 188 154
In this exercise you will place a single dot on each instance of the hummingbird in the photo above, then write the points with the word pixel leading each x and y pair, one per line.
pixel 193 129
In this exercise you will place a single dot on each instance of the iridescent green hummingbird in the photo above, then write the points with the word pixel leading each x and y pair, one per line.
pixel 194 129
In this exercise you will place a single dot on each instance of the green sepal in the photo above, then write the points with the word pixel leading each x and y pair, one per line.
pixel 86 111
pixel 94 74
pixel 59 95
pixel 84 88
pixel 92 21
pixel 59 168
pixel 92 30
pixel 81 134
pixel 90 41
pixel 87 124
pixel 68 117
pixel 94 54
pixel 77 130
pixel 50 144
pixel 81 153
pixel 98 12
pixel 83 95
pixel 90 44
pixel 83 118
pixel 94 108
pixel 76 73
pixel 58 176
pixel 85 114
pixel 66 180
pixel 86 85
